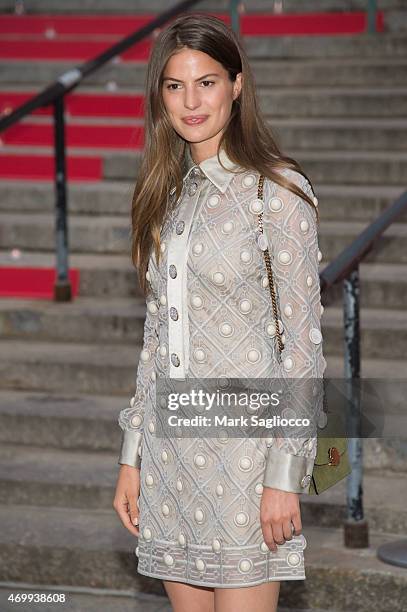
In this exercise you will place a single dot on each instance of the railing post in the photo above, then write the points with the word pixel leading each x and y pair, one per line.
pixel 234 16
pixel 62 287
pixel 356 534
pixel 371 15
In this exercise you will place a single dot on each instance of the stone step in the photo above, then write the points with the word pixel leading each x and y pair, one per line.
pixel 279 72
pixel 33 475
pixel 316 100
pixel 382 285
pixel 31 232
pixel 148 6
pixel 120 321
pixel 313 134
pixel 325 167
pixel 350 202
pixel 88 423
pixel 91 547
pixel 51 366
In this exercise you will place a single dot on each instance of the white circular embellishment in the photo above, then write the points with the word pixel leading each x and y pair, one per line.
pixel 168 559
pixel 147 533
pixel 271 330
pixel 197 248
pixel 151 427
pixel 136 420
pixel 263 547
pixel 164 456
pixel 249 180
pixel 213 201
pixel 181 539
pixel 304 226
pixel 293 559
pixel 148 277
pixel 200 565
pixel 315 335
pixel 319 255
pixel 265 281
pixel 133 401
pixel 199 355
pixel 218 278
pixel 245 256
pixel 200 460
pixel 258 489
pixel 162 247
pixel 227 227
pixel 276 204
pixel 149 480
pixel 322 310
pixel 256 206
pixel 219 490
pixel 163 299
pixel 199 515
pixel 253 356
pixel 241 519
pixel 226 329
pixel 262 242
pixel 137 551
pixel 315 200
pixel 163 350
pixel 309 281
pixel 179 485
pixel 216 545
pixel 288 310
pixel 153 375
pixel 196 301
pixel 165 509
pixel 288 363
pixel 284 257
pixel 245 565
pixel 245 464
pixel 145 355
pixel 152 307
pixel 245 306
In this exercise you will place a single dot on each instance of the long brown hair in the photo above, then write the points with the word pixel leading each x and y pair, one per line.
pixel 247 139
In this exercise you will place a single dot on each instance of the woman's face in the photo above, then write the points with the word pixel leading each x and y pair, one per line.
pixel 198 96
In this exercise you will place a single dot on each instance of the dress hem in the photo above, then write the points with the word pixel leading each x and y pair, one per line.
pixel 237 585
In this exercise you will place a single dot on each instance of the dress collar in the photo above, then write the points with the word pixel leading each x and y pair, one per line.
pixel 212 168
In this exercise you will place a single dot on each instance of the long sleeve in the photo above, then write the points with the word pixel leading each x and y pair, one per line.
pixel 289 224
pixel 131 418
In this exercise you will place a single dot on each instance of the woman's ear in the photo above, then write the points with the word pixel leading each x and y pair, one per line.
pixel 237 85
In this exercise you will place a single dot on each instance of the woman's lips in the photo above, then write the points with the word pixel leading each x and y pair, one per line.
pixel 195 120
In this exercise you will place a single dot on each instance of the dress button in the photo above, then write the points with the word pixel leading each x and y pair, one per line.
pixel 218 278
pixel 180 226
pixel 173 271
pixel 192 189
pixel 174 313
pixel 197 248
pixel 315 335
pixel 276 204
pixel 305 481
pixel 175 359
pixel 163 299
pixel 163 247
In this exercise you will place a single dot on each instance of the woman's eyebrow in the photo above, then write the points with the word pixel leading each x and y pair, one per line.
pixel 199 79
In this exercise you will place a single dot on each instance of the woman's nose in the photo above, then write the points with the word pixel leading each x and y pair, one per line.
pixel 192 99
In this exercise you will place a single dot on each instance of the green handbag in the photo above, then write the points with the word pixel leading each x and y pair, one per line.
pixel 332 459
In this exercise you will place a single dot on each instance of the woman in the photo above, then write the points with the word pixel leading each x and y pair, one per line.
pixel 217 520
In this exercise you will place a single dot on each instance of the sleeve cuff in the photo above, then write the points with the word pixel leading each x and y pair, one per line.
pixel 130 450
pixel 292 473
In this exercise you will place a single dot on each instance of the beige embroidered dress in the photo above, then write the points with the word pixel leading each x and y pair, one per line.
pixel 209 315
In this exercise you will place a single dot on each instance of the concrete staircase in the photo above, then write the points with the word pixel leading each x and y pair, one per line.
pixel 338 105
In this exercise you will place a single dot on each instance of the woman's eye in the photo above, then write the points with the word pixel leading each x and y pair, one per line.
pixel 170 86
pixel 211 82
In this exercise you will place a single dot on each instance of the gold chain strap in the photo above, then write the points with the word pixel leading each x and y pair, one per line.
pixel 269 270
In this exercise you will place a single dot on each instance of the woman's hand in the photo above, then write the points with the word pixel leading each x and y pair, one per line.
pixel 127 494
pixel 278 509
